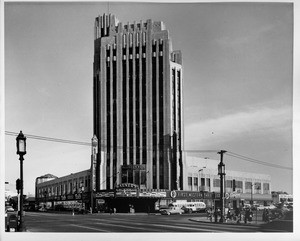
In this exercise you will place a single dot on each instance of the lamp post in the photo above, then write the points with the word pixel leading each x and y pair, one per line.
pixel 201 170
pixel 254 184
pixel 251 201
pixel 21 151
pixel 221 172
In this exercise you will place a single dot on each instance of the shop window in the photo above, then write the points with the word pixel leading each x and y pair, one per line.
pixel 216 182
pixel 195 181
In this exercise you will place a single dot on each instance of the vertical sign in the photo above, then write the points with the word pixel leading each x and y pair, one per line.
pixel 94 161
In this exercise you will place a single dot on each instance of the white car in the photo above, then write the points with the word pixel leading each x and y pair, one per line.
pixel 9 209
pixel 266 207
pixel 172 210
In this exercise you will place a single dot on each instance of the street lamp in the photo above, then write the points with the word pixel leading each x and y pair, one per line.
pixel 221 172
pixel 201 170
pixel 21 151
pixel 252 184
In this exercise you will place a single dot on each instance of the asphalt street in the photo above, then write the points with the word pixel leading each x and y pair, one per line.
pixel 53 222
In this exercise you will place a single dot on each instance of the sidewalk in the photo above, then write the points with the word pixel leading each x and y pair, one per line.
pixel 227 222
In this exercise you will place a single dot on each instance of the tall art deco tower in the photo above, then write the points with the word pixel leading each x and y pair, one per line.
pixel 137 105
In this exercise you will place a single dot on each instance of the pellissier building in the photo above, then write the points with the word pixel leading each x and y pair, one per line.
pixel 137 105
pixel 137 156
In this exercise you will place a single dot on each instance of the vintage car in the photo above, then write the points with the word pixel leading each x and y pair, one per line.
pixel 171 210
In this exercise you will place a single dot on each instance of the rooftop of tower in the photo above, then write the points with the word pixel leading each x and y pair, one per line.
pixel 110 24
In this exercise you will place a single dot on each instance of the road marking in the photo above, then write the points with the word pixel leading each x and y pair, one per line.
pixel 123 226
pixel 195 228
pixel 188 228
pixel 160 225
pixel 98 229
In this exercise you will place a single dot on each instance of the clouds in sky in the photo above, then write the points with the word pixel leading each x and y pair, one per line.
pixel 238 75
pixel 232 126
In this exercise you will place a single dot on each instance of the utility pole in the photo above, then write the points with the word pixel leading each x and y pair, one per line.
pixel 221 172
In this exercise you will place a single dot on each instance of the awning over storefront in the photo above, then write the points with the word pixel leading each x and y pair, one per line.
pixel 256 197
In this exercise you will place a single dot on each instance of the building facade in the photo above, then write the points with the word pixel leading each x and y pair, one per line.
pixel 137 105
pixel 239 187
pixel 71 191
pixel 201 183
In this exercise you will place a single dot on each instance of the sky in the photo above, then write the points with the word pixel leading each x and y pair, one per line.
pixel 238 82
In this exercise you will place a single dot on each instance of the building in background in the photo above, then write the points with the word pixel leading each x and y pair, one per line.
pixel 201 183
pixel 240 187
pixel 70 191
pixel 280 197
pixel 137 105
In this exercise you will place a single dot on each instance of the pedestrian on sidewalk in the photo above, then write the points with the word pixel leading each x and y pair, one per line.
pixel 208 213
pixel 216 215
pixel 237 215
pixel 267 215
pixel 247 215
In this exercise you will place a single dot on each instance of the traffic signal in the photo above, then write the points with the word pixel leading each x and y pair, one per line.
pixel 233 185
pixel 18 185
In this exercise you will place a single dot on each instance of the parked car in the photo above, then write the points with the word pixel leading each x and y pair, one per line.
pixel 42 209
pixel 169 211
pixel 9 211
pixel 266 207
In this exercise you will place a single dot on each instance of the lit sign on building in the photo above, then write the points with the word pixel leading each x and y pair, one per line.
pixel 126 192
pixel 153 194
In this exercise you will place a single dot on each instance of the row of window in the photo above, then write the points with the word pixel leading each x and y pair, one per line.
pixel 234 184
pixel 127 72
pixel 137 56
pixel 77 186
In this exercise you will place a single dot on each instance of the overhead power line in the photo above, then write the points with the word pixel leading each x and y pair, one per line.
pixel 249 159
pixel 228 153
pixel 43 138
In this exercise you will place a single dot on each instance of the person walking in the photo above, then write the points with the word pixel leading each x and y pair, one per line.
pixel 211 214
pixel 264 215
pixel 216 215
pixel 228 215
pixel 267 215
pixel 237 215
pixel 247 215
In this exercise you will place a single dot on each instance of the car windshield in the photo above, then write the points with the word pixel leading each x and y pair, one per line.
pixel 9 209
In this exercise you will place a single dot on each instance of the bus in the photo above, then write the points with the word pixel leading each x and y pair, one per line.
pixel 189 207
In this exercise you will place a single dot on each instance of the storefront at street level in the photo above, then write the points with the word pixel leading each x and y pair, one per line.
pixel 126 197
pixel 69 201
